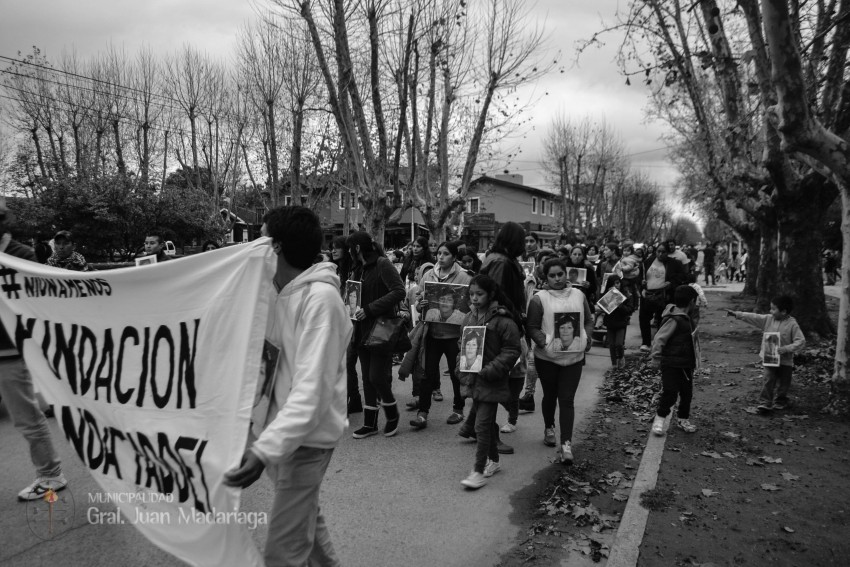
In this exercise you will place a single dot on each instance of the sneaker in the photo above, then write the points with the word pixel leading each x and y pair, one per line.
pixel 658 425
pixel 763 407
pixel 365 432
pixel 412 405
pixel 503 449
pixel 781 405
pixel 475 480
pixel 526 403
pixel 41 485
pixel 567 453
pixel 491 468
pixel 437 396
pixel 455 418
pixel 508 428
pixel 549 437
pixel 420 421
pixel 645 348
pixel 686 425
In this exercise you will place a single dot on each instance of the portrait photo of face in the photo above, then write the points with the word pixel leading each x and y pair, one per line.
pixel 770 347
pixel 576 275
pixel 527 268
pixel 447 303
pixel 352 297
pixel 472 354
pixel 611 300
pixel 567 332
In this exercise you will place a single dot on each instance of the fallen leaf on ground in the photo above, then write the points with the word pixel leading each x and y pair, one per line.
pixel 730 435
pixel 789 476
pixel 789 530
pixel 709 492
pixel 819 449
pixel 730 455
pixel 770 460
pixel 755 463
pixel 712 454
pixel 770 487
pixel 751 410
pixel 779 442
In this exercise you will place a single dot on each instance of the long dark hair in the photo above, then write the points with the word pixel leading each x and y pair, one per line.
pixel 511 240
pixel 426 251
pixel 343 265
pixel 495 293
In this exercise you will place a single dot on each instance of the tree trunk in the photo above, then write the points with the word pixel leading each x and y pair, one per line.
pixel 273 161
pixel 839 387
pixel 295 165
pixel 38 154
pixel 119 153
pixel 753 242
pixel 164 160
pixel 194 130
pixel 800 234
pixel 767 268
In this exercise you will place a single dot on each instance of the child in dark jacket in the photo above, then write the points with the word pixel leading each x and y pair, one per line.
pixel 617 321
pixel 673 350
pixel 488 387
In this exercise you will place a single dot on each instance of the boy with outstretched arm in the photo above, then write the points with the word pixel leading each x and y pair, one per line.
pixel 791 340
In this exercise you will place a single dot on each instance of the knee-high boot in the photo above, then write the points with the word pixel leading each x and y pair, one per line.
pixel 370 423
pixel 391 410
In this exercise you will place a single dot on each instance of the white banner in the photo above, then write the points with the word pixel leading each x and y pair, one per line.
pixel 152 372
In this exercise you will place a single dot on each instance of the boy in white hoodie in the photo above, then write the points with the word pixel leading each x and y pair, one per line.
pixel 308 322
pixel 791 340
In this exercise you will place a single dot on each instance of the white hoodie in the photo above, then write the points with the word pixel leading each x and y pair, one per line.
pixel 309 323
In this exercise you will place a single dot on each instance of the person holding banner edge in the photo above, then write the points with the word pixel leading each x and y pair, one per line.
pixel 16 390
pixel 307 415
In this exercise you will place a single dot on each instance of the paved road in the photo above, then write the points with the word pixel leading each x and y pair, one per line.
pixel 389 501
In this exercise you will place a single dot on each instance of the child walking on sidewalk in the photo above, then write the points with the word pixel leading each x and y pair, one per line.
pixel 488 387
pixel 791 340
pixel 673 350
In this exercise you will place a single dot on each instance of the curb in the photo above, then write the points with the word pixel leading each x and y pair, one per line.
pixel 626 547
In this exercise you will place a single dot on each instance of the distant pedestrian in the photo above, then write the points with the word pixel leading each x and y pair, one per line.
pixel 674 351
pixel 791 340
pixel 708 256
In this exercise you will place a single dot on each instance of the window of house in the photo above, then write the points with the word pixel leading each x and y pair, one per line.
pixel 287 200
pixel 534 205
pixel 354 203
pixel 472 205
pixel 551 208
pixel 543 207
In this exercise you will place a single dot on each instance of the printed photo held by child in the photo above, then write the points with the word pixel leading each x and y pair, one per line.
pixel 617 321
pixel 777 380
pixel 674 352
pixel 488 387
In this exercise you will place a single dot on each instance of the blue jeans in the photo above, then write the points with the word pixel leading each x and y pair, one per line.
pixel 18 395
pixel 298 535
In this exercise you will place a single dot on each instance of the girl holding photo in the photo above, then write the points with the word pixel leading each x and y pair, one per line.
pixel 617 321
pixel 442 332
pixel 489 387
pixel 560 372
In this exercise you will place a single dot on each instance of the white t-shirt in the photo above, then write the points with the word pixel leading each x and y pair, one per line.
pixel 656 275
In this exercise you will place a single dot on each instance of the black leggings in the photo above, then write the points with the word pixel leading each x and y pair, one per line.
pixel 434 351
pixel 676 383
pixel 560 384
pixel 377 371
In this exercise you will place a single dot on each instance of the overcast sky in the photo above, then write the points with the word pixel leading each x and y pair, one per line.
pixel 593 88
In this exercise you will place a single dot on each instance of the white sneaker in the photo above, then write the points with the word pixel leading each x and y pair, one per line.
pixel 686 426
pixel 491 468
pixel 658 425
pixel 508 428
pixel 566 453
pixel 41 485
pixel 475 480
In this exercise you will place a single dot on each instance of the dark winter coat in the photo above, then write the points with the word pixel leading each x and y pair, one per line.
pixel 382 290
pixel 678 349
pixel 501 351
pixel 620 317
